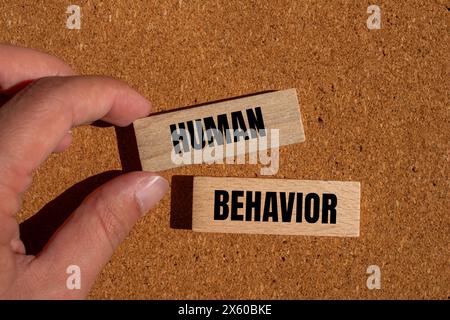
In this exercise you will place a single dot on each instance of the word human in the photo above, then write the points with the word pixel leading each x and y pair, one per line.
pixel 209 141
pixel 275 206
pixel 196 133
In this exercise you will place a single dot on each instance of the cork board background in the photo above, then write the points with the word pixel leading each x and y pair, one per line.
pixel 375 109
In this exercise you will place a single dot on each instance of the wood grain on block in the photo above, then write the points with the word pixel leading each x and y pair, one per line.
pixel 274 110
pixel 276 206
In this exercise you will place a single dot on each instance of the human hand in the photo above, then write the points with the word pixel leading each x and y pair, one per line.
pixel 35 122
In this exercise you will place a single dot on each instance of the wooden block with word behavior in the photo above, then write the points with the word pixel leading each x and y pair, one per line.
pixel 163 139
pixel 276 206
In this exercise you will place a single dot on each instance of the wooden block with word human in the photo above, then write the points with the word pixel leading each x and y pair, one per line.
pixel 276 206
pixel 219 130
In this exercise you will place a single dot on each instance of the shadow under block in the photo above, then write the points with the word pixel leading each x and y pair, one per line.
pixel 276 206
pixel 276 110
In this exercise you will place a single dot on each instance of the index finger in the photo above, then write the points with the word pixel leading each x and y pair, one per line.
pixel 19 66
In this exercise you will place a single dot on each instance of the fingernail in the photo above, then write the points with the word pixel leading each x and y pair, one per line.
pixel 150 191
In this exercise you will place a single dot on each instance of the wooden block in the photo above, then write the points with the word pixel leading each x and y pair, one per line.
pixel 276 206
pixel 274 110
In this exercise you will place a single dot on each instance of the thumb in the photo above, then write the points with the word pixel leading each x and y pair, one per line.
pixel 91 234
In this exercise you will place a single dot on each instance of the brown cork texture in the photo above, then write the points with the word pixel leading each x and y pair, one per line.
pixel 374 107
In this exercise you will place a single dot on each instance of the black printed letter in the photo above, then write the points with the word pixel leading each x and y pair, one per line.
pixel 221 203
